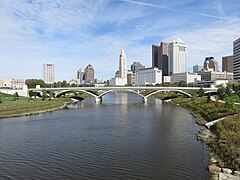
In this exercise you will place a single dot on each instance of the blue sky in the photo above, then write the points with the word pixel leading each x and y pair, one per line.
pixel 74 33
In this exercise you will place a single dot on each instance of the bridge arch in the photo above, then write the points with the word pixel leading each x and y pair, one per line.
pixel 179 91
pixel 85 91
pixel 209 92
pixel 127 90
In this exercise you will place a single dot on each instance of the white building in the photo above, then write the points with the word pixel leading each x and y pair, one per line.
pixel 186 77
pixel 18 83
pixel 49 73
pixel 148 76
pixel 5 83
pixel 121 77
pixel 166 79
pixel 177 56
pixel 122 65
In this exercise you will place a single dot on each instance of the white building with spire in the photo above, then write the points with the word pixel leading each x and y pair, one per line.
pixel 120 78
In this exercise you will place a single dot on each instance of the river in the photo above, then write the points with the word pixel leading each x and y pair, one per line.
pixel 120 138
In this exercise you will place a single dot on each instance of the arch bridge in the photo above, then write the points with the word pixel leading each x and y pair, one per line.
pixel 107 89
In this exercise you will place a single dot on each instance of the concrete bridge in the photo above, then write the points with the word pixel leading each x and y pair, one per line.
pixel 107 89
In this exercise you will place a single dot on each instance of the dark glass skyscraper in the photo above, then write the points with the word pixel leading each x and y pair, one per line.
pixel 236 59
pixel 160 57
pixel 89 73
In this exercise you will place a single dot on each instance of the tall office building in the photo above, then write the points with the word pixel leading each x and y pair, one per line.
pixel 120 78
pixel 136 66
pixel 197 68
pixel 122 65
pixel 89 73
pixel 160 55
pixel 227 63
pixel 80 75
pixel 210 64
pixel 177 56
pixel 236 59
pixel 49 73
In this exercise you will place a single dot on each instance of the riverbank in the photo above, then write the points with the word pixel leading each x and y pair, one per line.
pixel 223 137
pixel 32 107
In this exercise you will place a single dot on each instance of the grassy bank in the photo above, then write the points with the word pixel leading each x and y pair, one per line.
pixel 205 110
pixel 25 106
pixel 224 143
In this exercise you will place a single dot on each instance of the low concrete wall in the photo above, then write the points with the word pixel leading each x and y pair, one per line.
pixel 21 92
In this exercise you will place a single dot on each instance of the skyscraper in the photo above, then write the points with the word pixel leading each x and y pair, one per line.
pixel 89 73
pixel 120 78
pixel 49 73
pixel 136 66
pixel 122 65
pixel 210 64
pixel 227 63
pixel 160 55
pixel 236 59
pixel 177 56
pixel 197 68
pixel 80 74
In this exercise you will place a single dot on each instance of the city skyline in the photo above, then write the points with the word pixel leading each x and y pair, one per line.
pixel 72 34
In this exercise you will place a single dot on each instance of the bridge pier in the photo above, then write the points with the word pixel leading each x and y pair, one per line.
pixel 144 99
pixel 98 99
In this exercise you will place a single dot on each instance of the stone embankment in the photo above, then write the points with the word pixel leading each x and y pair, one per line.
pixel 223 173
pixel 217 172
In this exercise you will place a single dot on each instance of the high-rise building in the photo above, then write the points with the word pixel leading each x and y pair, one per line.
pixel 131 78
pixel 136 66
pixel 80 75
pixel 122 65
pixel 160 55
pixel 236 59
pixel 227 63
pixel 120 78
pixel 210 64
pixel 49 73
pixel 177 56
pixel 89 73
pixel 197 68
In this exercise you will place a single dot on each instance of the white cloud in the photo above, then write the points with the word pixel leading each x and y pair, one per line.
pixel 211 40
pixel 74 33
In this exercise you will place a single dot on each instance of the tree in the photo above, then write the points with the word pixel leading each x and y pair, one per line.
pixel 33 82
pixel 64 84
pixel 51 95
pixel 44 95
pixel 16 95
pixel 221 92
pixel 208 97
pixel 30 94
pixel 229 102
pixel 0 97
pixel 182 84
pixel 194 95
pixel 228 91
pixel 201 92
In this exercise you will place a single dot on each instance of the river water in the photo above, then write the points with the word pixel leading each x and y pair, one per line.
pixel 121 138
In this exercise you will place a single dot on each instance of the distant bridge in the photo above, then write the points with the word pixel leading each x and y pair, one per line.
pixel 107 89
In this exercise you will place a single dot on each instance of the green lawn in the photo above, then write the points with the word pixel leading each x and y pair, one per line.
pixel 12 107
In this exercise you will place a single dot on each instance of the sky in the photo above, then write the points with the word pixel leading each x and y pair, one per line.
pixel 74 33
